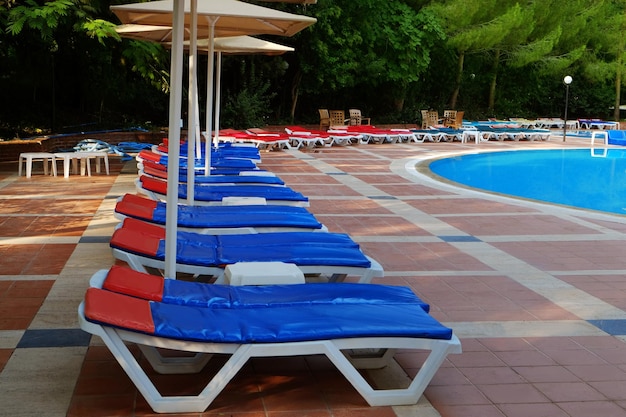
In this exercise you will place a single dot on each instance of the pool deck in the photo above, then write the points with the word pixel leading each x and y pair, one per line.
pixel 536 293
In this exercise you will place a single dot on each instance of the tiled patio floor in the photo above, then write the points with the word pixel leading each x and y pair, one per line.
pixel 536 293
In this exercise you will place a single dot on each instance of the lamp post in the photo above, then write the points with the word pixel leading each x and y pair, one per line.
pixel 567 80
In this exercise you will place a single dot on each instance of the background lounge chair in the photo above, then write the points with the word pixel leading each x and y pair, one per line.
pixel 324 119
pixel 356 119
pixel 338 118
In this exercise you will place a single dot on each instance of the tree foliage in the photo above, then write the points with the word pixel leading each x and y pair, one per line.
pixel 367 44
pixel 63 65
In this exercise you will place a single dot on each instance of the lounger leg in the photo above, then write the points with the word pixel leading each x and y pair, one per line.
pixel 168 365
pixel 439 349
pixel 173 404
pixel 370 358
pixel 132 261
pixel 337 277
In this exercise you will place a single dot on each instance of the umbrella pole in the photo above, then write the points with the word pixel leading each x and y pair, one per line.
pixel 197 122
pixel 192 103
pixel 176 81
pixel 209 96
pixel 218 93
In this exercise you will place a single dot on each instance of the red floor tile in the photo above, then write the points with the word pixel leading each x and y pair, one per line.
pixel 371 226
pixel 493 377
pixel 5 354
pixel 20 301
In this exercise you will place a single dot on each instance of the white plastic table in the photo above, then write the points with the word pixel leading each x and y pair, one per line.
pixel 29 157
pixel 74 158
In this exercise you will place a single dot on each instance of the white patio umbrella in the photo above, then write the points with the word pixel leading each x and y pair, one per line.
pixel 231 17
pixel 221 18
pixel 217 18
pixel 154 33
pixel 235 45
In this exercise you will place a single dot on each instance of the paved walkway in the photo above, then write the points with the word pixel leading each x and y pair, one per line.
pixel 536 293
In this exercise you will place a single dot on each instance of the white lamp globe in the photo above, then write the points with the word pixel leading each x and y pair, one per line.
pixel 567 80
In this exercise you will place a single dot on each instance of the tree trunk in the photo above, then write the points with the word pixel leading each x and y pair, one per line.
pixel 457 83
pixel 618 90
pixel 494 79
pixel 398 104
pixel 618 87
pixel 294 94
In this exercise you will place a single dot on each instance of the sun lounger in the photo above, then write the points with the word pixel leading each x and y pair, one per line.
pixel 160 171
pixel 171 291
pixel 502 131
pixel 207 194
pixel 259 138
pixel 232 178
pixel 301 137
pixel 224 146
pixel 430 135
pixel 146 155
pixel 598 124
pixel 246 330
pixel 557 123
pixel 616 137
pixel 407 135
pixel 221 219
pixel 141 245
pixel 225 150
pixel 524 123
pixel 450 134
pixel 372 134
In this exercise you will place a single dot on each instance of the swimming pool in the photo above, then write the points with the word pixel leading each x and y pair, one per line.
pixel 582 178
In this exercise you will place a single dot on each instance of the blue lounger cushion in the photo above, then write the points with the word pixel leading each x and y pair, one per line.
pixel 267 324
pixel 235 179
pixel 617 137
pixel 217 175
pixel 148 240
pixel 245 152
pixel 239 240
pixel 219 192
pixel 184 162
pixel 170 291
pixel 287 239
pixel 218 216
pixel 157 170
pixel 301 255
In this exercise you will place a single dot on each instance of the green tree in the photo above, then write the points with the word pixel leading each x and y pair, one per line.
pixel 541 34
pixel 606 57
pixel 475 27
pixel 65 63
pixel 372 44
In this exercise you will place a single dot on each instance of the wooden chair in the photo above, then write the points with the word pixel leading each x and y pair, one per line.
pixel 457 123
pixel 356 119
pixel 432 119
pixel 324 119
pixel 338 118
pixel 424 119
pixel 449 117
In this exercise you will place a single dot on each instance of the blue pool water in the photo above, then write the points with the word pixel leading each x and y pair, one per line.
pixel 572 177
